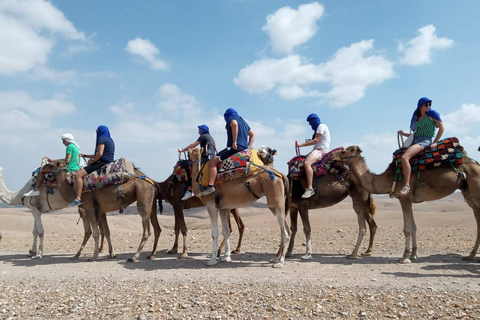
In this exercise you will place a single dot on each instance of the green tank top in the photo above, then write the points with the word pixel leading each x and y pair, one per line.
pixel 425 127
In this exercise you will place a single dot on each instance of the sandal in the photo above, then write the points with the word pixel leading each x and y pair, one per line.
pixel 404 191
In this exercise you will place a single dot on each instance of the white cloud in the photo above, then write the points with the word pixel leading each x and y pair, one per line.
pixel 463 120
pixel 419 50
pixel 43 110
pixel 145 49
pixel 289 28
pixel 350 72
pixel 57 77
pixel 27 32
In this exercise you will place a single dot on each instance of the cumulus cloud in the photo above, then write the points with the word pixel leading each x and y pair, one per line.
pixel 463 120
pixel 146 50
pixel 55 76
pixel 419 50
pixel 350 72
pixel 27 33
pixel 289 28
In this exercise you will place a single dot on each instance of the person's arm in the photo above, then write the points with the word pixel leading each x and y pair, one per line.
pixel 190 146
pixel 99 154
pixel 234 126
pixel 404 134
pixel 441 129
pixel 312 142
pixel 68 158
pixel 251 138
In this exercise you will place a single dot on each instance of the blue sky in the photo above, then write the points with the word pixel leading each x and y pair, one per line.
pixel 154 70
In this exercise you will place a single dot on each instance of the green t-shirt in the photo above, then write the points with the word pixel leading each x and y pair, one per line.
pixel 73 164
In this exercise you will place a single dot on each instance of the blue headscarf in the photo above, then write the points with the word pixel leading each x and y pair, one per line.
pixel 431 113
pixel 314 122
pixel 102 131
pixel 230 113
pixel 203 129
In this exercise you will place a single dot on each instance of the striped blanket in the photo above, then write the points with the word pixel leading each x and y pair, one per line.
pixel 446 154
pixel 180 170
pixel 320 168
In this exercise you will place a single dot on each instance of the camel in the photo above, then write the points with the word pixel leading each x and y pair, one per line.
pixel 171 192
pixel 98 202
pixel 330 191
pixel 236 194
pixel 46 202
pixel 431 184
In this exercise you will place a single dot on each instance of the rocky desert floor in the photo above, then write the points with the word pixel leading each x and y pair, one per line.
pixel 439 285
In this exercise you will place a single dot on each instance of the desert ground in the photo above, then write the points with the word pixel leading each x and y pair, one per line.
pixel 439 285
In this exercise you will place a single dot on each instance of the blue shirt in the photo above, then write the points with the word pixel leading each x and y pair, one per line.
pixel 242 137
pixel 108 151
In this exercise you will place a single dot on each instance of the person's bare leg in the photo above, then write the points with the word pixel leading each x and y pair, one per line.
pixel 79 183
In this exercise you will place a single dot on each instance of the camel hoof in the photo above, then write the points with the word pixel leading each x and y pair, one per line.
pixel 413 257
pixel 307 257
pixel 405 261
pixel 212 263
pixel 173 251
pixel 100 250
pixel 367 254
pixel 226 259
pixel 183 256
pixel 278 265
pixel 112 256
pixel 74 257
pixel 288 255
pixel 152 257
pixel 469 258
pixel 352 256
pixel 32 252
pixel 37 256
pixel 236 251
pixel 92 260
pixel 132 259
pixel 274 260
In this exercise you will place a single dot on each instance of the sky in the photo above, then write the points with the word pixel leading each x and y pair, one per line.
pixel 152 71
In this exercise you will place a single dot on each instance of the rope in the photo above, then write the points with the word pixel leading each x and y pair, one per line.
pixel 144 177
pixel 270 172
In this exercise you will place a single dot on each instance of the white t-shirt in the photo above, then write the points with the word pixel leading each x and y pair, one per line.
pixel 324 142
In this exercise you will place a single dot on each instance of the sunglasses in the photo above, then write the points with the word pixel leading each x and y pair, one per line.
pixel 428 104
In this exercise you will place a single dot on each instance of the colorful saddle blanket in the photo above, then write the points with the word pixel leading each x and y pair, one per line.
pixel 236 166
pixel 180 170
pixel 115 172
pixel 320 168
pixel 447 154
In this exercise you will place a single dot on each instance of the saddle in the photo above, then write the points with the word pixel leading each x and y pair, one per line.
pixel 320 168
pixel 448 153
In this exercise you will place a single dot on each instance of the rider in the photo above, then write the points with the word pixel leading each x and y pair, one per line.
pixel 239 137
pixel 207 147
pixel 71 158
pixel 321 143
pixel 423 124
pixel 104 154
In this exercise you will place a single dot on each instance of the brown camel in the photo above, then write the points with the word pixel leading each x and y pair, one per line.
pixel 171 192
pixel 98 202
pixel 432 184
pixel 330 191
pixel 236 194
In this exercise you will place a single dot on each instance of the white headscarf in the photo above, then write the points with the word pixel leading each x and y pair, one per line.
pixel 69 138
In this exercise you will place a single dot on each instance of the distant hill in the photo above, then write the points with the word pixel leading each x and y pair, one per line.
pixel 3 205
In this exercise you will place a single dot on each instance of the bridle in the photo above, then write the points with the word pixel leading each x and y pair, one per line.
pixel 350 157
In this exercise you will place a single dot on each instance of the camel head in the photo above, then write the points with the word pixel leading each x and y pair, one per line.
pixel 266 155
pixel 345 155
pixel 54 165
pixel 194 154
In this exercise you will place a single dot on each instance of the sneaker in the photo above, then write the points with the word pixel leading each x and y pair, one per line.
pixel 75 203
pixel 187 195
pixel 32 193
pixel 207 190
pixel 308 193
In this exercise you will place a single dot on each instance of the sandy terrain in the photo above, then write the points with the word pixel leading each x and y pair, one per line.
pixel 438 285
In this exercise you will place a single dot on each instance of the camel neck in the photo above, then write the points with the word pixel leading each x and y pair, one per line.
pixel 373 183
pixel 13 198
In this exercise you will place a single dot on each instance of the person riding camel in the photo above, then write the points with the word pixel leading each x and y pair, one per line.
pixel 72 159
pixel 104 154
pixel 207 147
pixel 423 125
pixel 321 144
pixel 239 137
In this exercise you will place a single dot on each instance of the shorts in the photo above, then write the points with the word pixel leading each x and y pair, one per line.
pixel 317 154
pixel 227 152
pixel 424 142
pixel 94 166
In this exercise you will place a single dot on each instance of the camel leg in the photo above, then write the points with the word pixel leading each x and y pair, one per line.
pixel 37 232
pixel 145 234
pixel 241 229
pixel 156 232
pixel 33 251
pixel 408 228
pixel 293 222
pixel 372 225
pixel 226 227
pixel 96 238
pixel 222 244
pixel 105 233
pixel 476 211
pixel 180 226
pixel 307 230
pixel 280 259
pixel 362 229
pixel 87 232
pixel 213 214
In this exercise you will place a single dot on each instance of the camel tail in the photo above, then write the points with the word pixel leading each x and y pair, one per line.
pixel 372 204
pixel 159 197
pixel 286 190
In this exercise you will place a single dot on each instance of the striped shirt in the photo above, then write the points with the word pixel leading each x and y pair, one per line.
pixel 425 127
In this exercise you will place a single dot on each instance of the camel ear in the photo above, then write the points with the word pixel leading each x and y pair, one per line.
pixel 358 149
pixel 274 152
